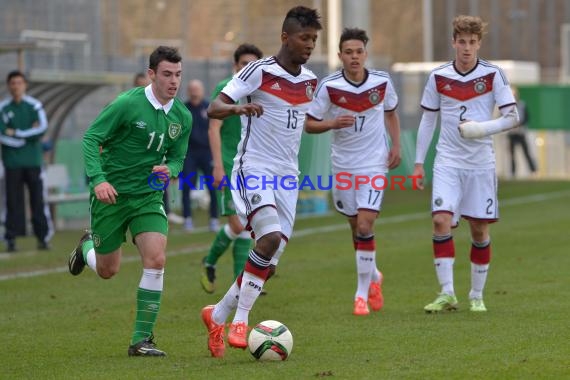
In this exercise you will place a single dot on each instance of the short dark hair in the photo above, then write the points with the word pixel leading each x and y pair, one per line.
pixel 247 49
pixel 163 53
pixel 352 34
pixel 303 17
pixel 14 74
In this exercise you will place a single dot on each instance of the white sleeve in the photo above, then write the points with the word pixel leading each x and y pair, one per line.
pixel 320 104
pixel 430 98
pixel 502 90
pixel 425 135
pixel 391 97
pixel 244 82
pixel 11 141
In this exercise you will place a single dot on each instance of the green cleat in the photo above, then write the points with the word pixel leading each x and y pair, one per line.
pixel 208 278
pixel 441 303
pixel 477 305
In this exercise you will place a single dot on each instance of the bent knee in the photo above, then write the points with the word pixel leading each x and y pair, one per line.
pixel 107 273
pixel 268 244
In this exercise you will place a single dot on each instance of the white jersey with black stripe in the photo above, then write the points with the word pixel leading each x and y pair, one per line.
pixel 270 143
pixel 465 96
pixel 363 146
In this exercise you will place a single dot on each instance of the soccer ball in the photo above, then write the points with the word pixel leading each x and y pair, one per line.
pixel 270 340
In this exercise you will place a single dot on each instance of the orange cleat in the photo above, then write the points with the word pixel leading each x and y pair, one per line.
pixel 375 297
pixel 360 307
pixel 215 333
pixel 237 336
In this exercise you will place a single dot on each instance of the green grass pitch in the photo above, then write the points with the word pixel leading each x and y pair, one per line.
pixel 55 326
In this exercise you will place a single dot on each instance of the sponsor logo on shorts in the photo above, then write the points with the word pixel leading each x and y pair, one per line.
pixel 255 199
pixel 438 201
pixel 96 240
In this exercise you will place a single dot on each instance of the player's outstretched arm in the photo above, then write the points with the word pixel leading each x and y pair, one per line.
pixel 223 106
pixel 475 129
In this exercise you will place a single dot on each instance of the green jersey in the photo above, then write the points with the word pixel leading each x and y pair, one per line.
pixel 28 120
pixel 230 133
pixel 133 134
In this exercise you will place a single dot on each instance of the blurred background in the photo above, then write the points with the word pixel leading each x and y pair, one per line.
pixel 79 54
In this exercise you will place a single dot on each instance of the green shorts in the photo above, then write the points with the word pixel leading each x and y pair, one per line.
pixel 224 197
pixel 137 213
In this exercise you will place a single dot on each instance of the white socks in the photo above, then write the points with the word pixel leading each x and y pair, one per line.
pixel 444 272
pixel 251 287
pixel 364 268
pixel 478 279
pixel 228 304
pixel 91 259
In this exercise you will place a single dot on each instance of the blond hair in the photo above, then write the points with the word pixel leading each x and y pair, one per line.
pixel 468 25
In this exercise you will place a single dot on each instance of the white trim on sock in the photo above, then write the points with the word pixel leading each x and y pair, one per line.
pixel 91 259
pixel 245 235
pixel 229 233
pixel 152 279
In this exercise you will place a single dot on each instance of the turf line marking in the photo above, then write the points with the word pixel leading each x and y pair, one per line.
pixel 305 232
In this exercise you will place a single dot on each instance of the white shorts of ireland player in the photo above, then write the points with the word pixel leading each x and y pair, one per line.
pixel 252 190
pixel 468 193
pixel 362 191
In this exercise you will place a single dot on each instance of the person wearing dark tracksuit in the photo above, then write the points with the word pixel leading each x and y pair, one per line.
pixel 22 126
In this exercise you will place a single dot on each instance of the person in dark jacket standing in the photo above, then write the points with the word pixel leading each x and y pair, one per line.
pixel 199 156
pixel 23 124
pixel 517 136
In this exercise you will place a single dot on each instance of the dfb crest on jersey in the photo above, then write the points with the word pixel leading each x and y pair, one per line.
pixel 255 199
pixel 374 97
pixel 480 87
pixel 174 130
pixel 309 91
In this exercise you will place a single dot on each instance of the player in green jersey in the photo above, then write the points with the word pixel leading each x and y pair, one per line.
pixel 143 136
pixel 224 137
